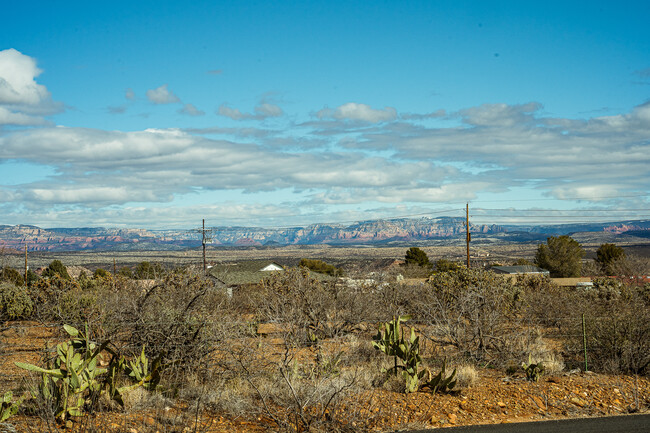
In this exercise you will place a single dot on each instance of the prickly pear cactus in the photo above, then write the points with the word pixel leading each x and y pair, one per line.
pixel 533 370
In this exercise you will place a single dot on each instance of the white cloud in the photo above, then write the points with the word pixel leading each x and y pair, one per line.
pixel 585 192
pixel 162 95
pixel 10 118
pixel 21 97
pixel 17 84
pixel 129 94
pixel 358 112
pixel 191 110
pixel 92 195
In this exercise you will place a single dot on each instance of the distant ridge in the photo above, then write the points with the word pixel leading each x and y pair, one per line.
pixel 373 232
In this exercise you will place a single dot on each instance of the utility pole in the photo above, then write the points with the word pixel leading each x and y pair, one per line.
pixel 26 267
pixel 469 236
pixel 206 236
pixel 203 242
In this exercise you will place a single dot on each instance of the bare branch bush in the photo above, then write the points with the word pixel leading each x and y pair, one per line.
pixel 175 317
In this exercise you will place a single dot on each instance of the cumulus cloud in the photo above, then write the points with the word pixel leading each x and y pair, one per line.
pixel 129 94
pixel 153 165
pixel 162 95
pixel 191 110
pixel 10 118
pixel 21 97
pixel 358 112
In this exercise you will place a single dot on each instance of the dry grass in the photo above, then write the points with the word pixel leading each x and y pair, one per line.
pixel 466 376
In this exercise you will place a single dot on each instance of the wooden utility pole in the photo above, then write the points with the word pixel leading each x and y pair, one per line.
pixel 469 236
pixel 206 236
pixel 26 268
pixel 203 242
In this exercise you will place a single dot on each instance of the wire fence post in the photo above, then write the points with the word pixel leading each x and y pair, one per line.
pixel 584 340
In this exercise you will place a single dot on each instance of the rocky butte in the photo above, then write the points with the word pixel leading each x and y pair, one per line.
pixel 372 232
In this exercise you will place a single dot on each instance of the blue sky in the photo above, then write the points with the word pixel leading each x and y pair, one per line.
pixel 159 114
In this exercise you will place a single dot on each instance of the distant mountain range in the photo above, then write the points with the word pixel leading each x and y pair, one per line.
pixel 393 231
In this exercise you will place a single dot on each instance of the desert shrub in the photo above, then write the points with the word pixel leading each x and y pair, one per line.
pixel 551 306
pixel 125 272
pixel 411 270
pixel 47 293
pixel 175 318
pixel 304 305
pixel 475 312
pixel 11 275
pixel 320 267
pixel 101 273
pixel 76 307
pixel 295 396
pixel 444 265
pixel 148 271
pixel 56 268
pixel 85 282
pixel 630 268
pixel 15 302
pixel 32 277
pixel 618 333
pixel 607 288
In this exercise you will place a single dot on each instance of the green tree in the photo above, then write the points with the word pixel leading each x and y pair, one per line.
pixel 607 255
pixel 11 275
pixel 561 255
pixel 56 267
pixel 415 256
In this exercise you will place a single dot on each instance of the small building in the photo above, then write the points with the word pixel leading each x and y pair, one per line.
pixel 245 272
pixel 272 267
pixel 520 270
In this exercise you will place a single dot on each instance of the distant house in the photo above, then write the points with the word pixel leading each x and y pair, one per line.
pixel 245 272
pixel 272 267
pixel 520 270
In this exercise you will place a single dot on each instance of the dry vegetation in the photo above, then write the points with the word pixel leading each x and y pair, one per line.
pixel 295 353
